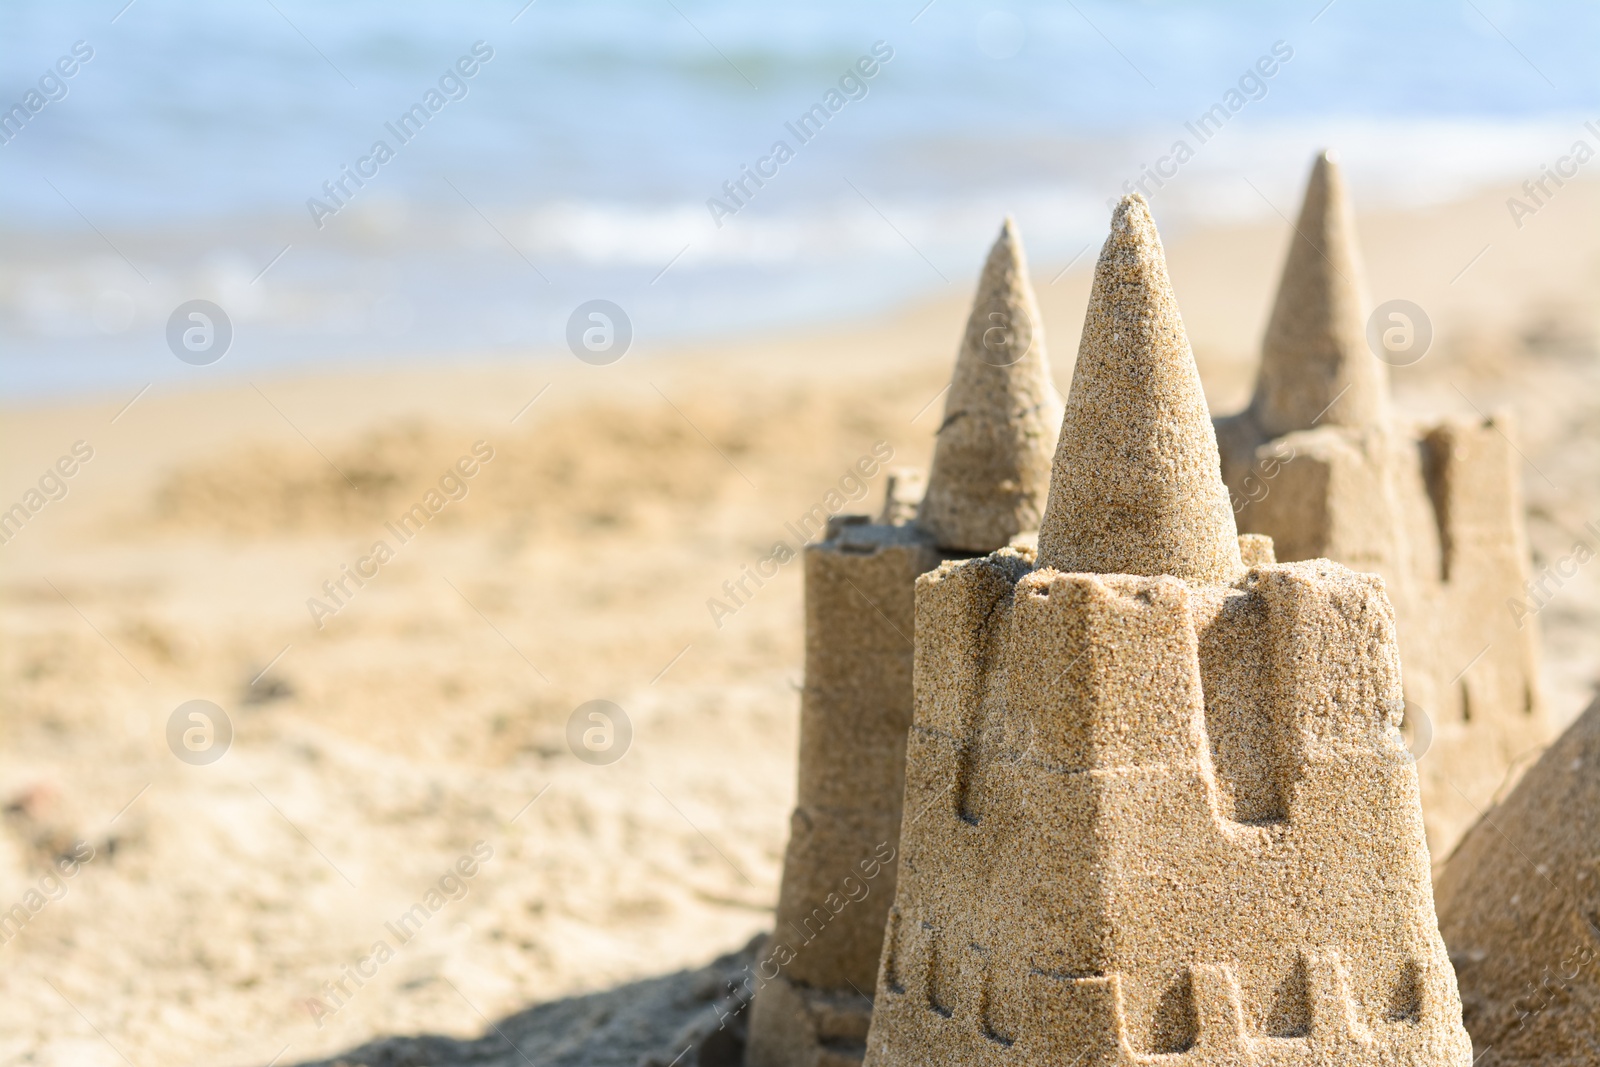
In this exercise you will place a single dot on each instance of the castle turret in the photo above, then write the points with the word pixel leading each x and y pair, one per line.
pixel 991 460
pixel 1134 487
pixel 1316 368
pixel 1162 811
pixel 987 485
pixel 1319 463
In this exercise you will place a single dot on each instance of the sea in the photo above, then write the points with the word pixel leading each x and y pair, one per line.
pixel 710 169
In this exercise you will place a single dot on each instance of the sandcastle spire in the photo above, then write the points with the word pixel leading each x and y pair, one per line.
pixel 1315 364
pixel 991 462
pixel 1435 508
pixel 1136 486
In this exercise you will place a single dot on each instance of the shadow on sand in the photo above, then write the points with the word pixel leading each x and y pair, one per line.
pixel 674 1019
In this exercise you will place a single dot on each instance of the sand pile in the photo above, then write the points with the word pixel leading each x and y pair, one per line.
pixel 1519 904
pixel 1072 889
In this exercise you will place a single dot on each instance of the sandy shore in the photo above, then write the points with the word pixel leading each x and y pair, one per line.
pixel 426 717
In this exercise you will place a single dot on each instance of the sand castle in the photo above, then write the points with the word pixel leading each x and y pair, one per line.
pixel 990 473
pixel 1519 904
pixel 1318 463
pixel 1156 800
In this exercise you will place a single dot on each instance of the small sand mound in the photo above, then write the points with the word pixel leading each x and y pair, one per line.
pixel 1519 905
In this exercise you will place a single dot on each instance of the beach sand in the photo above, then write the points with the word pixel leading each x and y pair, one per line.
pixel 429 713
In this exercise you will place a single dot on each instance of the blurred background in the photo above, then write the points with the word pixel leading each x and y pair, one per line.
pixel 579 162
pixel 189 518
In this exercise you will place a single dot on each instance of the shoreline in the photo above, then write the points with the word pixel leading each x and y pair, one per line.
pixel 1467 261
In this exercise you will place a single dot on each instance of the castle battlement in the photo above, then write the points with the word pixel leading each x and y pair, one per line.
pixel 1083 1018
pixel 1157 807
pixel 1150 668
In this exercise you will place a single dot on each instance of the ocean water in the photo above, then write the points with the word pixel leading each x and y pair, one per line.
pixel 596 151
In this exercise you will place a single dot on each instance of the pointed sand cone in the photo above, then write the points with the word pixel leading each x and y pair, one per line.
pixel 1136 486
pixel 991 461
pixel 1316 368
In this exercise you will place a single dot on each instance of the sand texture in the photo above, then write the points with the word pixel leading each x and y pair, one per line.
pixel 1149 814
pixel 1519 903
pixel 1321 464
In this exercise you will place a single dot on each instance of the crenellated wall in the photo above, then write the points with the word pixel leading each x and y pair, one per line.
pixel 1437 513
pixel 1089 875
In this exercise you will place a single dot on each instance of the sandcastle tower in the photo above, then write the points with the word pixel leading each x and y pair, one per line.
pixel 1156 801
pixel 1519 904
pixel 1318 463
pixel 990 473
